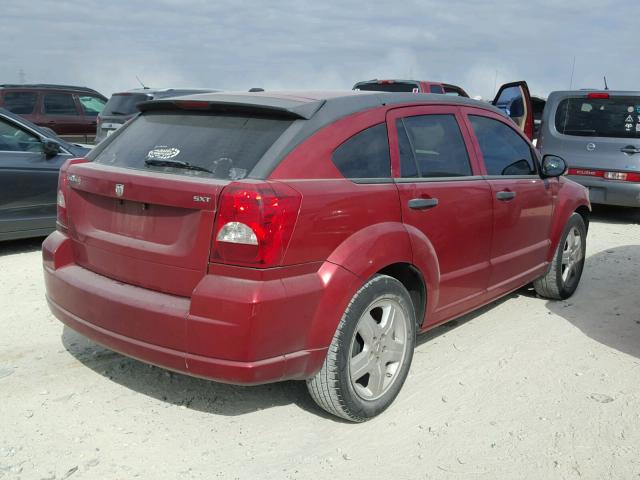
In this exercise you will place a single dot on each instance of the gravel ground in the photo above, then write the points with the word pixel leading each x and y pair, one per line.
pixel 524 388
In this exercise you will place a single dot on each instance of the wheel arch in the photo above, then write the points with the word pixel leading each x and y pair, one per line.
pixel 411 278
pixel 563 212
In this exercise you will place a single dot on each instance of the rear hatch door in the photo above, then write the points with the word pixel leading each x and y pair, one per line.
pixel 142 211
pixel 598 131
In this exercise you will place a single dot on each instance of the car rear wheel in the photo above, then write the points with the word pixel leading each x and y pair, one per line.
pixel 370 354
pixel 565 271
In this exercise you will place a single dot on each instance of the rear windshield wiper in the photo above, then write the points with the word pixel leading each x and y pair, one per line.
pixel 175 164
pixel 115 112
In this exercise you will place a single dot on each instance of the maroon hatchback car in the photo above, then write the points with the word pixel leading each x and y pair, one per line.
pixel 258 237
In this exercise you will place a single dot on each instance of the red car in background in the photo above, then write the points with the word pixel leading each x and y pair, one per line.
pixel 413 86
pixel 258 237
pixel 70 111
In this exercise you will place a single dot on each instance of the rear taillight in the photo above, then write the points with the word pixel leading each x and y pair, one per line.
pixel 254 224
pixel 64 179
pixel 619 176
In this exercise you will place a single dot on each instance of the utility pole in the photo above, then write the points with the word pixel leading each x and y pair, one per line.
pixel 21 76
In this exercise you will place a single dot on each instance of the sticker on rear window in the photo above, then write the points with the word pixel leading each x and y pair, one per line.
pixel 162 152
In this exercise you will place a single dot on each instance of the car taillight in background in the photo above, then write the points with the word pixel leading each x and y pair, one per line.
pixel 254 224
pixel 620 176
pixel 599 95
pixel 64 178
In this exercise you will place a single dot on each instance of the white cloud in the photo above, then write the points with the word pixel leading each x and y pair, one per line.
pixel 291 44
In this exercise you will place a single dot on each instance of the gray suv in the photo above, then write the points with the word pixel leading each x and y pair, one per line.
pixel 122 106
pixel 598 134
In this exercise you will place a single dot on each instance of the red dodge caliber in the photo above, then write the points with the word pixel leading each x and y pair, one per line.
pixel 258 237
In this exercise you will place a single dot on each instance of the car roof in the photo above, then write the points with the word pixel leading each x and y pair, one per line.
pixel 47 86
pixel 153 91
pixel 586 91
pixel 322 106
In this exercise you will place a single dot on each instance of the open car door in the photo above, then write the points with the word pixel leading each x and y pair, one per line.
pixel 514 100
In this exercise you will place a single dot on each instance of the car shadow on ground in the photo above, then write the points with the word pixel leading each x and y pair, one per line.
pixel 606 306
pixel 440 330
pixel 186 391
pixel 615 215
pixel 26 245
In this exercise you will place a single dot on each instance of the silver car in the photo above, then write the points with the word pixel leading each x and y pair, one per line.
pixel 598 134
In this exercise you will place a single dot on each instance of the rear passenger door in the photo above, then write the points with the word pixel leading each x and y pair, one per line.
pixel 522 200
pixel 445 202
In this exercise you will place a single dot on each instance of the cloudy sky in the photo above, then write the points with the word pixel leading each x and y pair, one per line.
pixel 288 44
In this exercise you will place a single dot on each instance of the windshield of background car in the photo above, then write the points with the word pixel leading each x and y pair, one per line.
pixel 388 87
pixel 124 103
pixel 228 146
pixel 599 117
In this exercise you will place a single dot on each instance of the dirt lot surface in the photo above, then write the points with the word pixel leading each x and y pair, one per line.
pixel 522 389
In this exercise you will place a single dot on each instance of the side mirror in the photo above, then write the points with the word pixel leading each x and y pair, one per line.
pixel 553 166
pixel 50 147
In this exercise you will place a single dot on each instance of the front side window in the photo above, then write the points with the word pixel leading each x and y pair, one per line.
pixel 504 151
pixel 365 155
pixel 91 106
pixel 432 146
pixel 14 139
pixel 21 103
pixel 59 104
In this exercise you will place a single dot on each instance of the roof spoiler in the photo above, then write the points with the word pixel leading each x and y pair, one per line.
pixel 239 105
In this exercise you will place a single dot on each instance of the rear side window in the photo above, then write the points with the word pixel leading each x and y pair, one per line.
pixel 599 117
pixel 124 103
pixel 59 104
pixel 504 151
pixel 435 89
pixel 432 146
pixel 21 103
pixel 213 146
pixel 365 155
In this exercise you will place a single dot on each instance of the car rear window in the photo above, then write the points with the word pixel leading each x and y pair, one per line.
pixel 124 103
pixel 599 117
pixel 227 146
pixel 389 87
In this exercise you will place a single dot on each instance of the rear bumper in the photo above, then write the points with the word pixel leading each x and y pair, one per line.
pixel 234 330
pixel 610 192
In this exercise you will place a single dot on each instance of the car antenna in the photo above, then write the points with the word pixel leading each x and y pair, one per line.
pixel 140 82
pixel 606 87
pixel 573 67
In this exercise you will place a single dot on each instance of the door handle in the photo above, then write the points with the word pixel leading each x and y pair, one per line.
pixel 423 203
pixel 630 149
pixel 505 195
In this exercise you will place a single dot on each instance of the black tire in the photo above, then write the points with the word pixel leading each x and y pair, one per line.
pixel 332 387
pixel 555 284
